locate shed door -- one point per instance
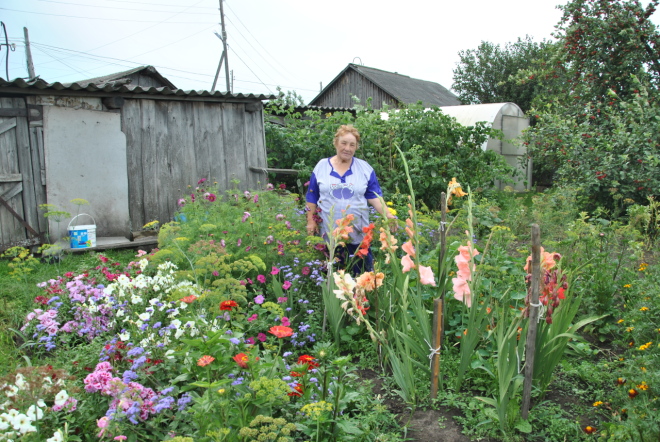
(19, 216)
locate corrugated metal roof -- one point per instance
(402, 87)
(40, 85)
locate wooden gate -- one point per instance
(22, 178)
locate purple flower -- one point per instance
(184, 400)
(256, 198)
(262, 337)
(259, 299)
(235, 341)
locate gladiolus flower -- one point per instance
(369, 281)
(228, 305)
(454, 188)
(407, 263)
(409, 248)
(205, 360)
(461, 291)
(426, 276)
(280, 331)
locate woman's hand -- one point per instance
(312, 228)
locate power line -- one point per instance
(255, 39)
(105, 18)
(158, 4)
(117, 8)
(250, 69)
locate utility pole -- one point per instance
(223, 38)
(28, 55)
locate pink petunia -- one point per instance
(286, 285)
(285, 321)
(262, 337)
(261, 279)
(275, 271)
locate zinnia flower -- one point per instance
(280, 331)
(189, 299)
(228, 305)
(242, 360)
(205, 360)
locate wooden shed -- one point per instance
(382, 87)
(129, 143)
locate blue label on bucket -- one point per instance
(79, 239)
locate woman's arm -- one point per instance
(312, 226)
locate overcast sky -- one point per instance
(296, 44)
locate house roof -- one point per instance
(402, 87)
(149, 71)
(39, 86)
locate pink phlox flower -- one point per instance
(253, 318)
(275, 271)
(286, 285)
(261, 279)
(285, 321)
(262, 337)
(306, 270)
(259, 299)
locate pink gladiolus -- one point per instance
(426, 276)
(461, 291)
(407, 263)
(409, 248)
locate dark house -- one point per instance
(382, 87)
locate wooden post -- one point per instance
(530, 344)
(438, 303)
(28, 55)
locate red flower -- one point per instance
(189, 299)
(228, 305)
(242, 360)
(297, 390)
(632, 393)
(281, 331)
(308, 360)
(205, 360)
(41, 300)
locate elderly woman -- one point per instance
(342, 185)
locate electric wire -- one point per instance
(106, 19)
(119, 9)
(255, 39)
(249, 68)
(248, 56)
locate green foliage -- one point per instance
(488, 74)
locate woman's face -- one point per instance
(346, 146)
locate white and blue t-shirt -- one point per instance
(338, 196)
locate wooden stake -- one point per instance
(530, 344)
(438, 303)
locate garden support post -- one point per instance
(438, 303)
(530, 344)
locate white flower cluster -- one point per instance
(15, 424)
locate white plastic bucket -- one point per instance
(82, 236)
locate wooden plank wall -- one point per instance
(354, 83)
(172, 144)
(20, 174)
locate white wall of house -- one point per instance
(85, 154)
